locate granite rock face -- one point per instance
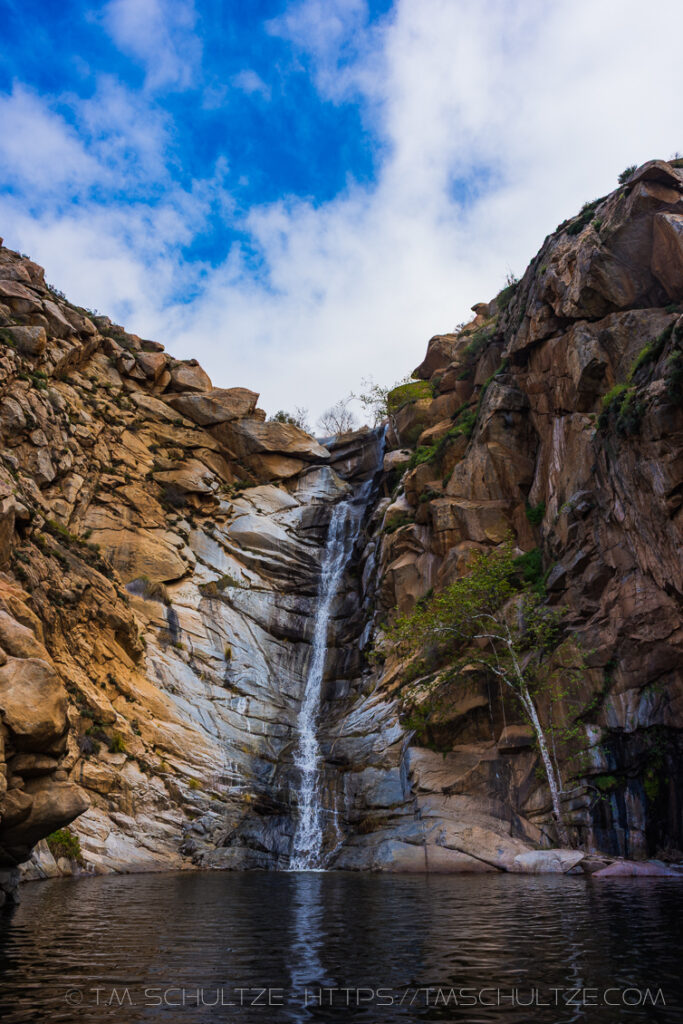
(160, 552)
(572, 443)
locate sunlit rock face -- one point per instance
(161, 550)
(571, 442)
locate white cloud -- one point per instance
(321, 27)
(542, 104)
(249, 82)
(38, 149)
(160, 34)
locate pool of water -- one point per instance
(303, 947)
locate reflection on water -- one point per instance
(341, 947)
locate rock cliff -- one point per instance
(556, 416)
(160, 549)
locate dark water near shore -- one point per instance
(378, 948)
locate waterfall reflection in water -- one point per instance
(167, 936)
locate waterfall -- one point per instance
(308, 840)
(307, 845)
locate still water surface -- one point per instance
(343, 947)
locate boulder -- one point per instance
(250, 437)
(12, 415)
(32, 703)
(16, 807)
(435, 433)
(29, 766)
(152, 364)
(274, 467)
(189, 376)
(547, 862)
(14, 272)
(396, 459)
(19, 640)
(218, 405)
(17, 296)
(658, 171)
(58, 324)
(192, 477)
(637, 869)
(411, 419)
(136, 553)
(53, 805)
(31, 341)
(440, 352)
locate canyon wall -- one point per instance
(160, 548)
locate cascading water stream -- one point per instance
(307, 845)
(308, 839)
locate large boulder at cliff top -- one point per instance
(189, 376)
(440, 352)
(219, 405)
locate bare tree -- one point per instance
(338, 419)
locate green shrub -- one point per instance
(651, 784)
(425, 453)
(479, 341)
(117, 744)
(614, 395)
(629, 415)
(463, 426)
(529, 566)
(626, 173)
(651, 351)
(505, 296)
(397, 520)
(576, 226)
(406, 394)
(63, 843)
(535, 513)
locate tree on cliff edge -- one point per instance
(338, 419)
(489, 619)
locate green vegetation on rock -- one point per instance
(64, 843)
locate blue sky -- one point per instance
(300, 193)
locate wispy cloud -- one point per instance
(40, 150)
(491, 121)
(249, 82)
(160, 35)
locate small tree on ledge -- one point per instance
(490, 619)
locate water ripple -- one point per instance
(131, 949)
